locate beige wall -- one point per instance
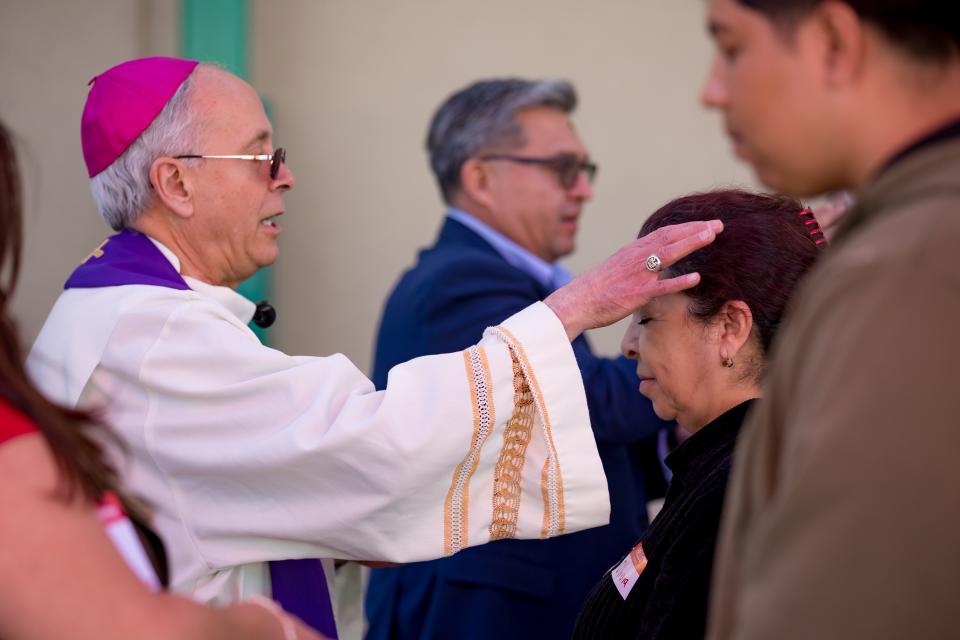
(352, 84)
(49, 49)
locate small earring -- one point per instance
(727, 362)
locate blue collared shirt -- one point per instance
(550, 275)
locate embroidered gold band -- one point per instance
(551, 479)
(456, 504)
(509, 469)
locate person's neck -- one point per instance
(893, 122)
(723, 403)
(476, 210)
(192, 263)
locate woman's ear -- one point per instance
(173, 185)
(734, 325)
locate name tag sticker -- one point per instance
(626, 574)
(120, 530)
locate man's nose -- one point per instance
(285, 178)
(714, 92)
(582, 188)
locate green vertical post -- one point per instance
(218, 31)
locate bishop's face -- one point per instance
(234, 230)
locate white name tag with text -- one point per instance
(626, 574)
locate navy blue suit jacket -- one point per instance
(510, 588)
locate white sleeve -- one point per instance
(260, 455)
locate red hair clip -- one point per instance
(813, 227)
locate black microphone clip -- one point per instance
(265, 315)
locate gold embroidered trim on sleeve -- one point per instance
(509, 469)
(456, 504)
(551, 479)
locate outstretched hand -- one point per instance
(622, 283)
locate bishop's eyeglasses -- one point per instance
(277, 158)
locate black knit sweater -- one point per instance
(669, 599)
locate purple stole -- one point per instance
(131, 258)
(126, 258)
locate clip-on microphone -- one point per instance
(265, 315)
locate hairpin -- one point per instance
(813, 227)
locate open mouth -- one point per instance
(271, 221)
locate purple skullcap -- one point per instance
(123, 101)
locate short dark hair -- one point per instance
(481, 116)
(764, 250)
(927, 29)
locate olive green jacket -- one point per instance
(842, 518)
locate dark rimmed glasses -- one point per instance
(566, 166)
(277, 158)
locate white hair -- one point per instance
(123, 190)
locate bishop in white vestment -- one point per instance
(256, 462)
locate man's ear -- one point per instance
(843, 40)
(476, 181)
(173, 185)
(734, 324)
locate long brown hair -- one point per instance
(79, 458)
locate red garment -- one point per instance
(13, 423)
(117, 525)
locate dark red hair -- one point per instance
(763, 252)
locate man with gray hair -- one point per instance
(514, 176)
(259, 463)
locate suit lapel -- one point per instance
(456, 235)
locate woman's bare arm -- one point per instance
(63, 578)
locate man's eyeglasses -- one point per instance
(567, 166)
(277, 158)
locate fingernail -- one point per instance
(716, 225)
(706, 235)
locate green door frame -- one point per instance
(218, 31)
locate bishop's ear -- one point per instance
(172, 184)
